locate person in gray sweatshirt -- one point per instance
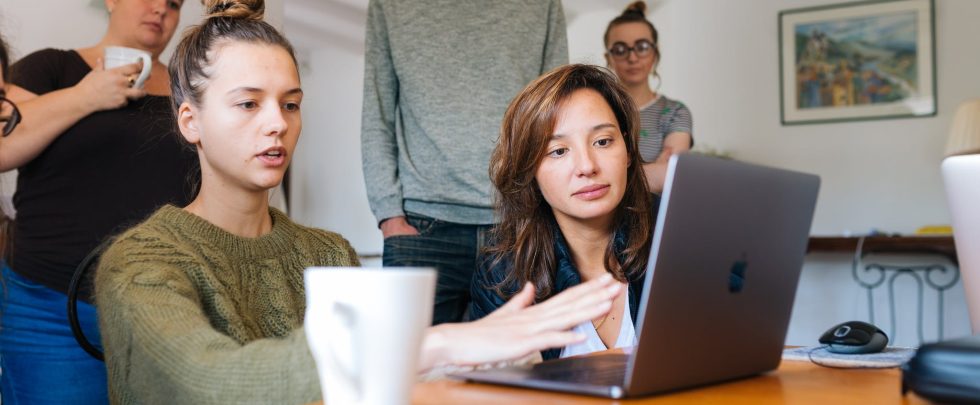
(438, 76)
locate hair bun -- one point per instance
(637, 7)
(236, 9)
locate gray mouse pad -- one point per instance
(890, 357)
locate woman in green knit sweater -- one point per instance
(204, 304)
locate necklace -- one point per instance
(596, 327)
(603, 320)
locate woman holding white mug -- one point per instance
(96, 154)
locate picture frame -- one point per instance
(857, 61)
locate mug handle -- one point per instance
(343, 325)
(145, 73)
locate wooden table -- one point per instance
(795, 382)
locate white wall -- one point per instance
(720, 58)
(327, 185)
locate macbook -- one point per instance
(720, 282)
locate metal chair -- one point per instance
(73, 288)
(873, 275)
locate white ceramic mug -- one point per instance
(365, 328)
(115, 56)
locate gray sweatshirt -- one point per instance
(438, 76)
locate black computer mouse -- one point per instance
(854, 337)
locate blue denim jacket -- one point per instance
(485, 300)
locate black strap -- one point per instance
(73, 287)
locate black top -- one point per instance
(105, 173)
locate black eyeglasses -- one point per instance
(642, 48)
(9, 115)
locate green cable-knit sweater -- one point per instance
(191, 314)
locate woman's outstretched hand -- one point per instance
(519, 328)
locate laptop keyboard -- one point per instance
(597, 370)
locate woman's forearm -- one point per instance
(44, 118)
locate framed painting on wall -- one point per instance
(857, 61)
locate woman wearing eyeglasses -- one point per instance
(633, 53)
(96, 154)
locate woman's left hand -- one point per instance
(519, 328)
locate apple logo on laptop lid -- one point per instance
(736, 277)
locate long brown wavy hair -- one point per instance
(525, 234)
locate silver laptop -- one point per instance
(963, 196)
(724, 265)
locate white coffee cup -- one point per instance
(365, 328)
(115, 56)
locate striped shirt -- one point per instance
(658, 118)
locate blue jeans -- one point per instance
(452, 249)
(40, 361)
